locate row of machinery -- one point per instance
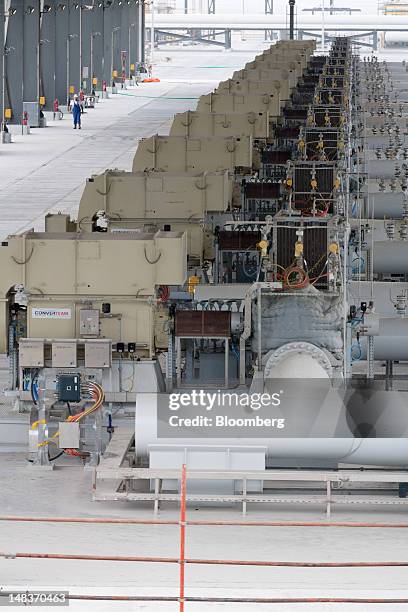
(265, 238)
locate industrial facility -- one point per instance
(204, 305)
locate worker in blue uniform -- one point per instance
(76, 112)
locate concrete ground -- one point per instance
(66, 491)
(46, 171)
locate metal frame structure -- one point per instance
(113, 468)
(268, 11)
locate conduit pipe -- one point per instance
(201, 523)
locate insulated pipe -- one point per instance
(392, 343)
(384, 205)
(230, 562)
(384, 168)
(358, 451)
(200, 523)
(390, 256)
(280, 600)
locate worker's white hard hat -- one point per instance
(76, 97)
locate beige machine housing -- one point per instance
(194, 123)
(248, 86)
(64, 274)
(308, 46)
(135, 200)
(183, 154)
(261, 72)
(242, 103)
(295, 55)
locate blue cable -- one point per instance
(360, 352)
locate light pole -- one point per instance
(132, 25)
(81, 7)
(45, 9)
(93, 35)
(5, 51)
(114, 30)
(69, 38)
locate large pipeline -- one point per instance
(392, 452)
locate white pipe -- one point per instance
(278, 21)
(367, 451)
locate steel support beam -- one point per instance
(268, 11)
(172, 37)
(375, 41)
(228, 39)
(292, 19)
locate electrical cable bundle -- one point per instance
(295, 277)
(94, 392)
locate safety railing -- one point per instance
(181, 560)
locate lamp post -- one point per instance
(69, 38)
(45, 9)
(132, 25)
(5, 51)
(114, 30)
(93, 35)
(82, 7)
